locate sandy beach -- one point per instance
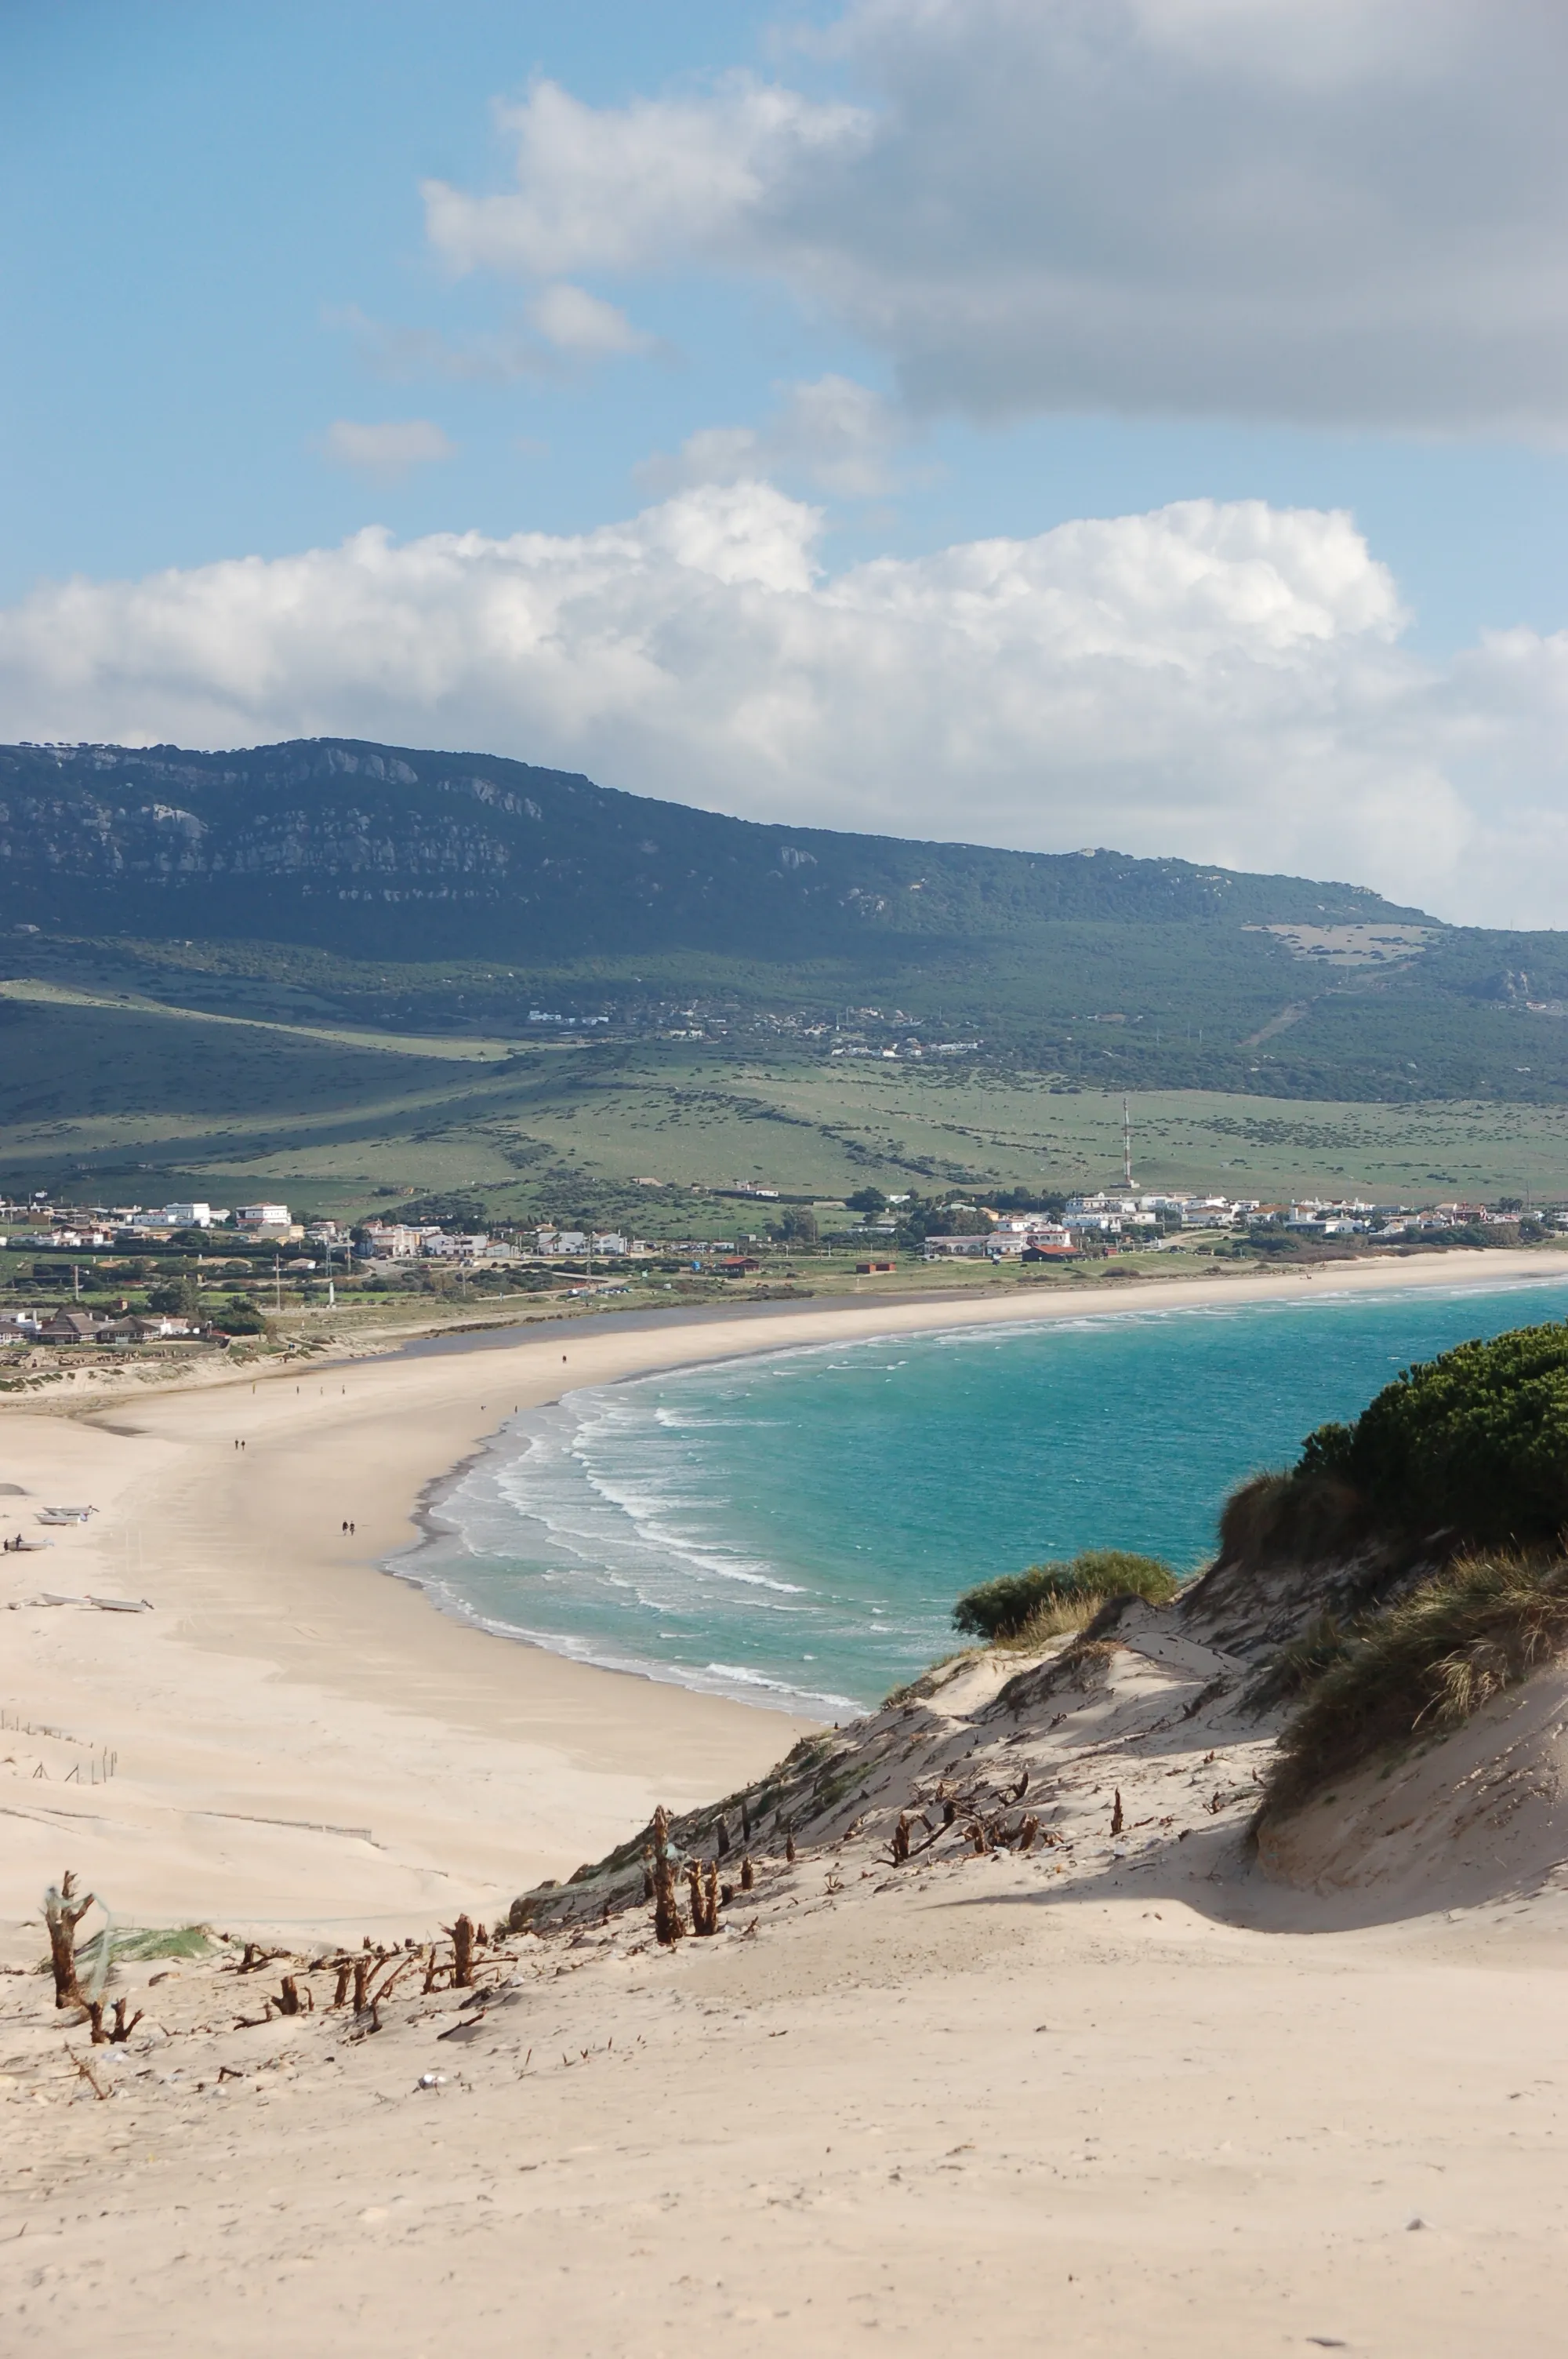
(1157, 2107)
(300, 1740)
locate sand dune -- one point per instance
(1099, 2093)
(1129, 2094)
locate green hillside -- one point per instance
(375, 966)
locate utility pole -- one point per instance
(1127, 1142)
(276, 1278)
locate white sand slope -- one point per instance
(1475, 1816)
(1094, 2094)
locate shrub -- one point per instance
(180, 1299)
(1477, 1439)
(1293, 1519)
(238, 1317)
(1001, 1609)
(1424, 1663)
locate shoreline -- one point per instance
(304, 1739)
(1113, 1302)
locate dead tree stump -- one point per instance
(1117, 1822)
(63, 1912)
(461, 1938)
(747, 1875)
(669, 1927)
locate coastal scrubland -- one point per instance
(112, 1098)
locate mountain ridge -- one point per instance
(328, 836)
(421, 890)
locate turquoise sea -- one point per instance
(792, 1527)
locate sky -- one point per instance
(1039, 422)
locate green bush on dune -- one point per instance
(1472, 1445)
(1455, 1478)
(1004, 1608)
(1476, 1438)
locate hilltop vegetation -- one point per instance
(411, 891)
(379, 851)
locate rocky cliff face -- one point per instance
(320, 817)
(410, 850)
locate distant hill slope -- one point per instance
(389, 850)
(427, 891)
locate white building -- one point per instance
(190, 1216)
(605, 1244)
(262, 1216)
(1209, 1212)
(390, 1241)
(442, 1248)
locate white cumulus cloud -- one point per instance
(1329, 211)
(835, 434)
(1222, 680)
(618, 187)
(389, 448)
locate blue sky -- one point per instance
(225, 274)
(202, 192)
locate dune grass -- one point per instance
(1421, 1667)
(1048, 1599)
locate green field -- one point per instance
(110, 1098)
